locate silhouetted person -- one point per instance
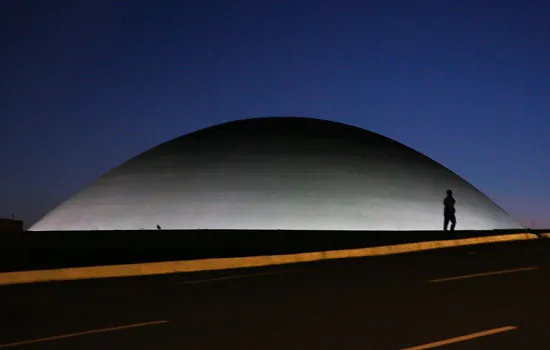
(158, 227)
(449, 211)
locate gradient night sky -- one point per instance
(87, 84)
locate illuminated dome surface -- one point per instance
(277, 173)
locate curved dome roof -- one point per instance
(276, 173)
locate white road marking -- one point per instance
(71, 335)
(462, 338)
(482, 274)
(233, 277)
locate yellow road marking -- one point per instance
(233, 277)
(71, 335)
(462, 338)
(482, 274)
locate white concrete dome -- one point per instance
(277, 173)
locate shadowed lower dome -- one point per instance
(276, 173)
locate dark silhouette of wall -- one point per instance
(10, 225)
(44, 250)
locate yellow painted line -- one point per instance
(243, 262)
(72, 335)
(463, 338)
(234, 277)
(500, 272)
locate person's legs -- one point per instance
(445, 222)
(453, 222)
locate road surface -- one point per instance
(481, 297)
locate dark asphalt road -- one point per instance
(368, 303)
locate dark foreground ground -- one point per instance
(368, 303)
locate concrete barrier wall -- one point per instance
(10, 225)
(49, 250)
(242, 262)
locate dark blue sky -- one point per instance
(87, 84)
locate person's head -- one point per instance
(450, 193)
